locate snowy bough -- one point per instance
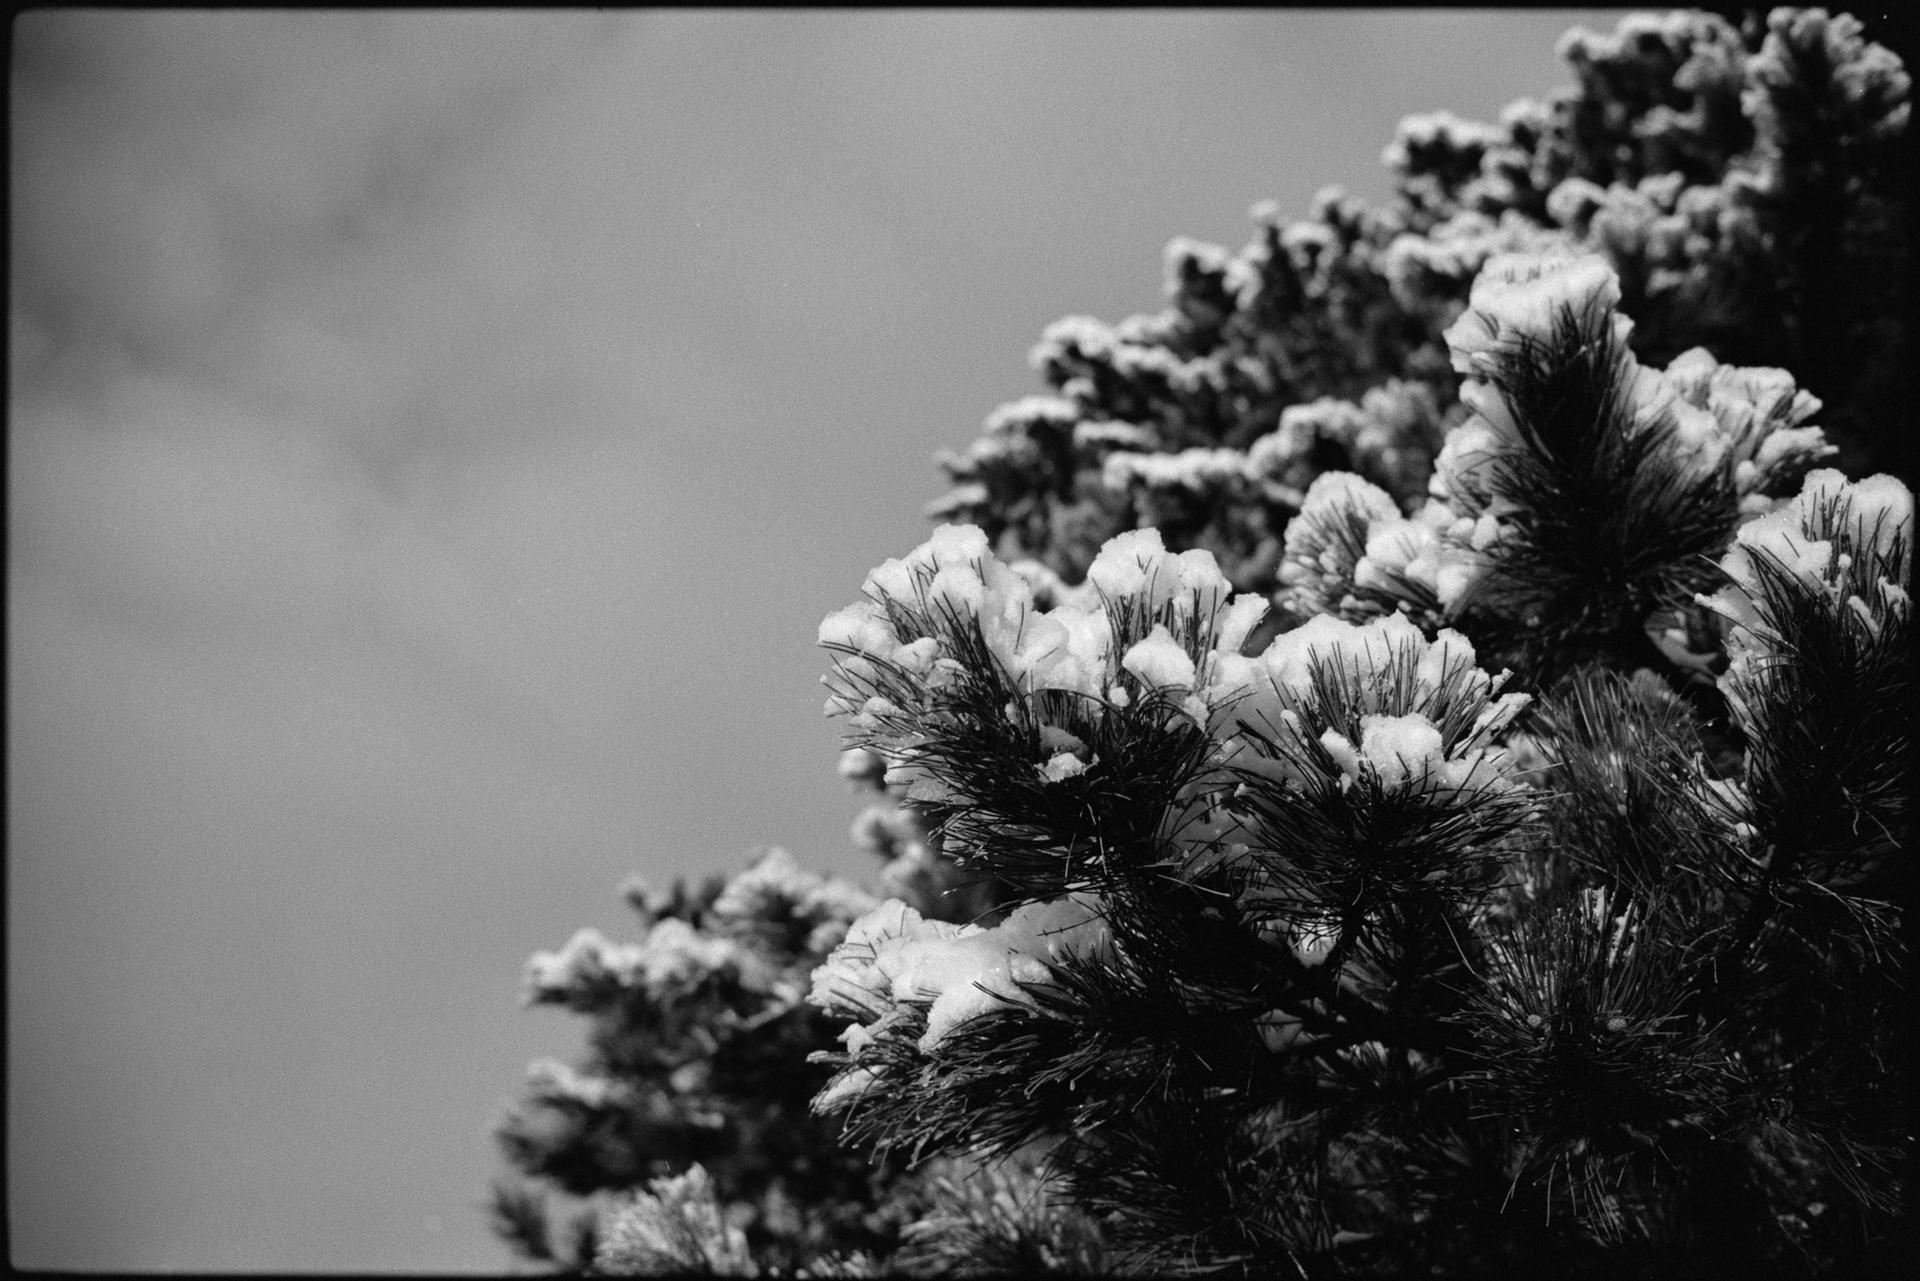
(1396, 764)
(1336, 955)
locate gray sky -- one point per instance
(434, 439)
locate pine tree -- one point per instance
(1396, 764)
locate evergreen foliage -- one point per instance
(1743, 179)
(1399, 765)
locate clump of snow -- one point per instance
(952, 581)
(906, 624)
(1136, 565)
(587, 959)
(673, 958)
(1053, 411)
(1160, 661)
(1436, 130)
(1410, 550)
(1285, 456)
(1063, 765)
(1068, 756)
(1829, 519)
(1827, 539)
(1198, 471)
(1524, 297)
(1464, 513)
(956, 550)
(1235, 623)
(1393, 748)
(848, 1086)
(1407, 685)
(776, 889)
(1360, 648)
(1403, 750)
(894, 955)
(1116, 435)
(1761, 415)
(1400, 555)
(549, 1078)
(676, 956)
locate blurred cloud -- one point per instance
(434, 438)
